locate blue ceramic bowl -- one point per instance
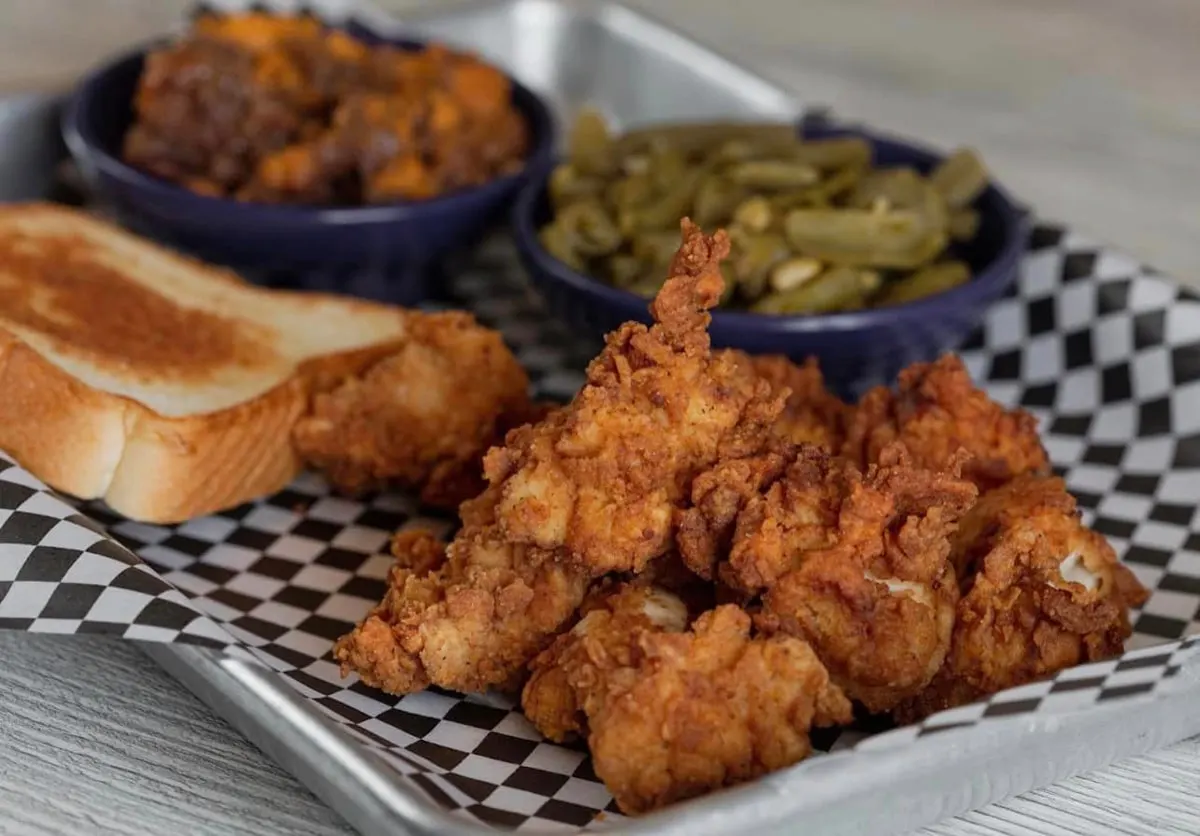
(856, 349)
(384, 251)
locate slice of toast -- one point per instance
(165, 386)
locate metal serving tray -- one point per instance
(605, 55)
(636, 70)
(892, 792)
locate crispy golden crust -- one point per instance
(588, 490)
(856, 564)
(603, 483)
(601, 640)
(686, 485)
(466, 616)
(1027, 610)
(704, 531)
(811, 414)
(936, 411)
(670, 714)
(422, 418)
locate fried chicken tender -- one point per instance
(858, 565)
(671, 715)
(422, 418)
(1041, 593)
(936, 411)
(602, 484)
(602, 636)
(467, 616)
(704, 531)
(589, 490)
(812, 414)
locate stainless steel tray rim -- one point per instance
(804, 789)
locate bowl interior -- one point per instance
(990, 254)
(102, 112)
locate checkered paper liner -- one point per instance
(1106, 354)
(60, 572)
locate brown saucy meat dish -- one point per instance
(277, 109)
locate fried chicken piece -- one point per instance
(658, 407)
(704, 531)
(858, 565)
(670, 714)
(467, 616)
(589, 490)
(670, 573)
(936, 411)
(1041, 593)
(457, 481)
(422, 418)
(812, 414)
(600, 638)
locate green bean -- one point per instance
(812, 198)
(831, 154)
(654, 246)
(927, 281)
(837, 289)
(963, 224)
(716, 200)
(590, 147)
(813, 227)
(691, 138)
(630, 191)
(753, 260)
(898, 188)
(592, 230)
(567, 185)
(839, 181)
(820, 194)
(823, 154)
(772, 175)
(666, 168)
(901, 238)
(960, 178)
(561, 244)
(665, 211)
(736, 151)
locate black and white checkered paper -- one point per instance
(1105, 353)
(60, 572)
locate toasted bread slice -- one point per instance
(165, 386)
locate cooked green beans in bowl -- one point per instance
(815, 226)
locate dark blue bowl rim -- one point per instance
(83, 144)
(984, 286)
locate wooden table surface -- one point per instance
(1089, 110)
